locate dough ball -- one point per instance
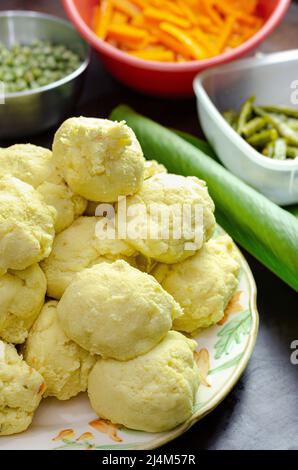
(154, 392)
(22, 296)
(99, 159)
(27, 162)
(150, 236)
(34, 165)
(116, 311)
(63, 364)
(26, 225)
(152, 167)
(203, 284)
(21, 389)
(77, 248)
(69, 206)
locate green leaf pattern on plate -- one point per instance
(87, 445)
(226, 365)
(231, 334)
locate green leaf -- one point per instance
(232, 333)
(71, 444)
(68, 445)
(231, 363)
(118, 446)
(261, 227)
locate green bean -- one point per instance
(280, 149)
(292, 152)
(262, 138)
(254, 126)
(282, 128)
(273, 130)
(269, 150)
(282, 117)
(288, 133)
(291, 112)
(231, 117)
(245, 114)
(293, 124)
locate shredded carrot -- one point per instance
(211, 12)
(104, 18)
(140, 3)
(125, 31)
(119, 18)
(168, 5)
(187, 12)
(161, 15)
(249, 6)
(225, 8)
(176, 30)
(138, 21)
(225, 34)
(193, 48)
(154, 53)
(204, 40)
(171, 6)
(126, 7)
(131, 44)
(172, 44)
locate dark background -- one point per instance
(262, 410)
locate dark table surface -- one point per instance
(262, 410)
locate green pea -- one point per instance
(36, 72)
(42, 81)
(51, 63)
(29, 66)
(70, 70)
(8, 77)
(29, 77)
(35, 64)
(34, 85)
(21, 85)
(19, 60)
(47, 50)
(19, 72)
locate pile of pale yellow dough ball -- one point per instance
(113, 308)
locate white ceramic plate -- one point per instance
(223, 352)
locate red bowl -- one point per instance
(158, 78)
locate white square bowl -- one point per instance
(273, 79)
